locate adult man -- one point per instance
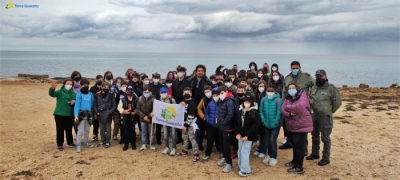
(177, 91)
(305, 81)
(266, 69)
(325, 100)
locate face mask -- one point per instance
(156, 81)
(295, 72)
(261, 89)
(169, 84)
(246, 105)
(213, 82)
(252, 68)
(77, 79)
(146, 95)
(118, 85)
(219, 83)
(228, 85)
(129, 93)
(275, 78)
(108, 77)
(163, 95)
(98, 83)
(266, 70)
(146, 82)
(186, 96)
(105, 91)
(234, 70)
(270, 95)
(260, 75)
(208, 95)
(240, 94)
(123, 89)
(292, 92)
(68, 87)
(216, 99)
(84, 90)
(274, 68)
(180, 74)
(222, 96)
(320, 82)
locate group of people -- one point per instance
(233, 109)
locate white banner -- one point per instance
(168, 114)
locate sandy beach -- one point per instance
(365, 144)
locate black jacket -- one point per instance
(155, 90)
(198, 88)
(137, 87)
(190, 112)
(250, 126)
(133, 105)
(177, 89)
(104, 107)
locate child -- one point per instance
(145, 112)
(104, 107)
(166, 98)
(190, 120)
(246, 129)
(83, 114)
(212, 128)
(128, 105)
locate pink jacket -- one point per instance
(301, 122)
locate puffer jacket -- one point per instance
(104, 107)
(270, 111)
(145, 107)
(301, 122)
(212, 112)
(250, 126)
(226, 113)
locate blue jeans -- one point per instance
(271, 135)
(243, 156)
(169, 130)
(146, 133)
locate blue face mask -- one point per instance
(118, 85)
(295, 72)
(292, 92)
(146, 95)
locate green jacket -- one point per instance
(325, 99)
(304, 80)
(63, 108)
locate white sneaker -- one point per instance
(173, 152)
(227, 168)
(221, 162)
(256, 153)
(272, 162)
(166, 150)
(261, 155)
(266, 159)
(153, 148)
(284, 141)
(144, 147)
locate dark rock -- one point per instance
(363, 85)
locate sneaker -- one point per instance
(272, 162)
(88, 145)
(205, 158)
(95, 138)
(296, 170)
(115, 138)
(60, 148)
(227, 168)
(153, 148)
(285, 146)
(221, 162)
(144, 147)
(256, 153)
(100, 144)
(182, 153)
(266, 159)
(323, 162)
(107, 145)
(312, 157)
(284, 141)
(221, 155)
(243, 174)
(71, 145)
(173, 152)
(261, 155)
(166, 150)
(290, 164)
(78, 149)
(196, 158)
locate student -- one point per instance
(155, 89)
(104, 107)
(118, 126)
(128, 110)
(188, 130)
(145, 112)
(166, 98)
(76, 76)
(168, 83)
(96, 89)
(177, 91)
(201, 109)
(83, 114)
(246, 128)
(63, 112)
(211, 114)
(270, 114)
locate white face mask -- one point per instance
(123, 89)
(163, 95)
(169, 84)
(246, 105)
(228, 85)
(261, 89)
(146, 82)
(179, 74)
(68, 87)
(214, 82)
(275, 78)
(260, 75)
(216, 99)
(270, 95)
(222, 96)
(274, 68)
(252, 67)
(208, 95)
(155, 81)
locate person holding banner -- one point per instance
(164, 97)
(145, 110)
(190, 125)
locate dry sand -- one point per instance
(365, 144)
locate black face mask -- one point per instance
(219, 83)
(240, 95)
(254, 86)
(266, 70)
(186, 96)
(85, 90)
(129, 93)
(320, 82)
(108, 77)
(77, 79)
(98, 83)
(105, 91)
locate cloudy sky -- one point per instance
(362, 27)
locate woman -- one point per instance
(277, 82)
(260, 74)
(298, 121)
(170, 75)
(64, 111)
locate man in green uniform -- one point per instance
(325, 100)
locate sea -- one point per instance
(351, 70)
